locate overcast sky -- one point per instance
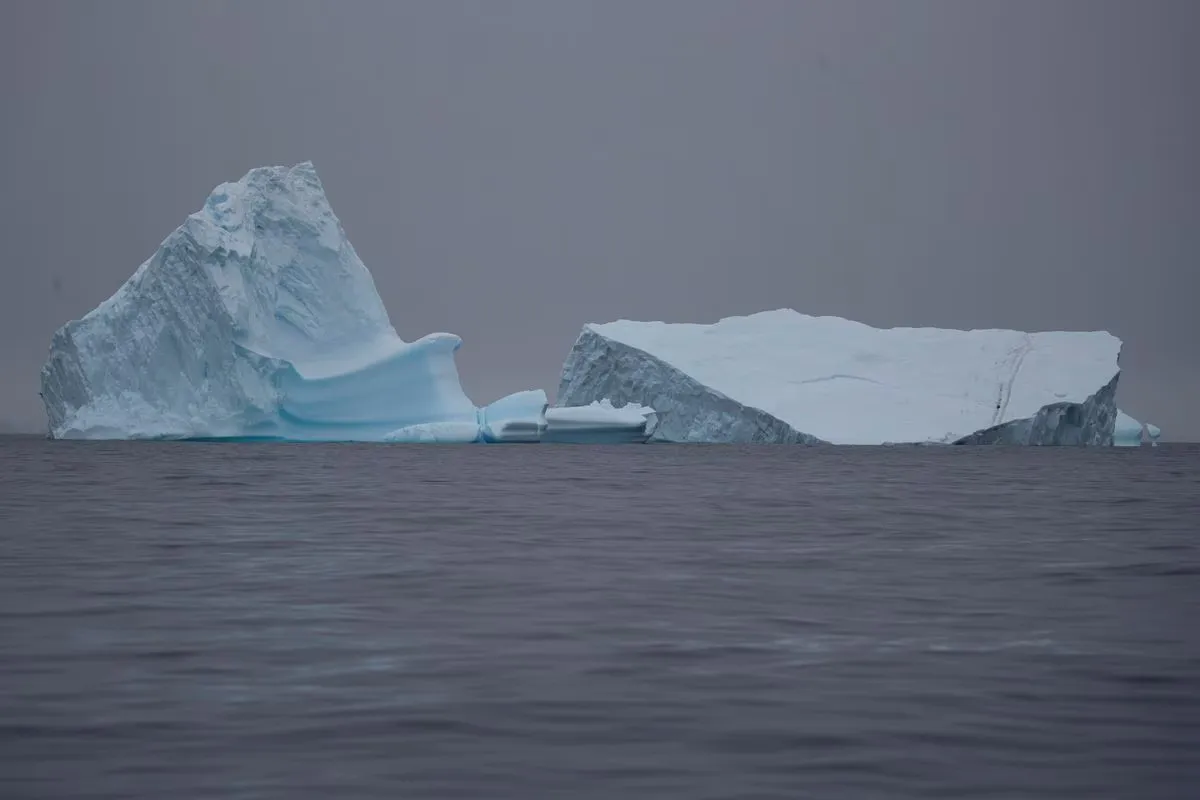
(511, 170)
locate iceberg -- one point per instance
(785, 377)
(526, 417)
(600, 422)
(1128, 432)
(518, 417)
(256, 319)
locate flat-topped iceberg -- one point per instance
(782, 376)
(256, 319)
(600, 422)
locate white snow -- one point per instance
(845, 382)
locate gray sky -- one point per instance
(510, 171)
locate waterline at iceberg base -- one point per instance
(255, 319)
(786, 377)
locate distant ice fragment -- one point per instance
(1128, 432)
(435, 432)
(600, 422)
(515, 418)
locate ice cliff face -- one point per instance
(781, 376)
(254, 318)
(687, 410)
(1086, 423)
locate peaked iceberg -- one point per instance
(255, 319)
(781, 376)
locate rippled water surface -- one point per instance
(272, 621)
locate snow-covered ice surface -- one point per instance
(255, 318)
(600, 422)
(782, 376)
(1128, 432)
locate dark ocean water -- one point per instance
(275, 621)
